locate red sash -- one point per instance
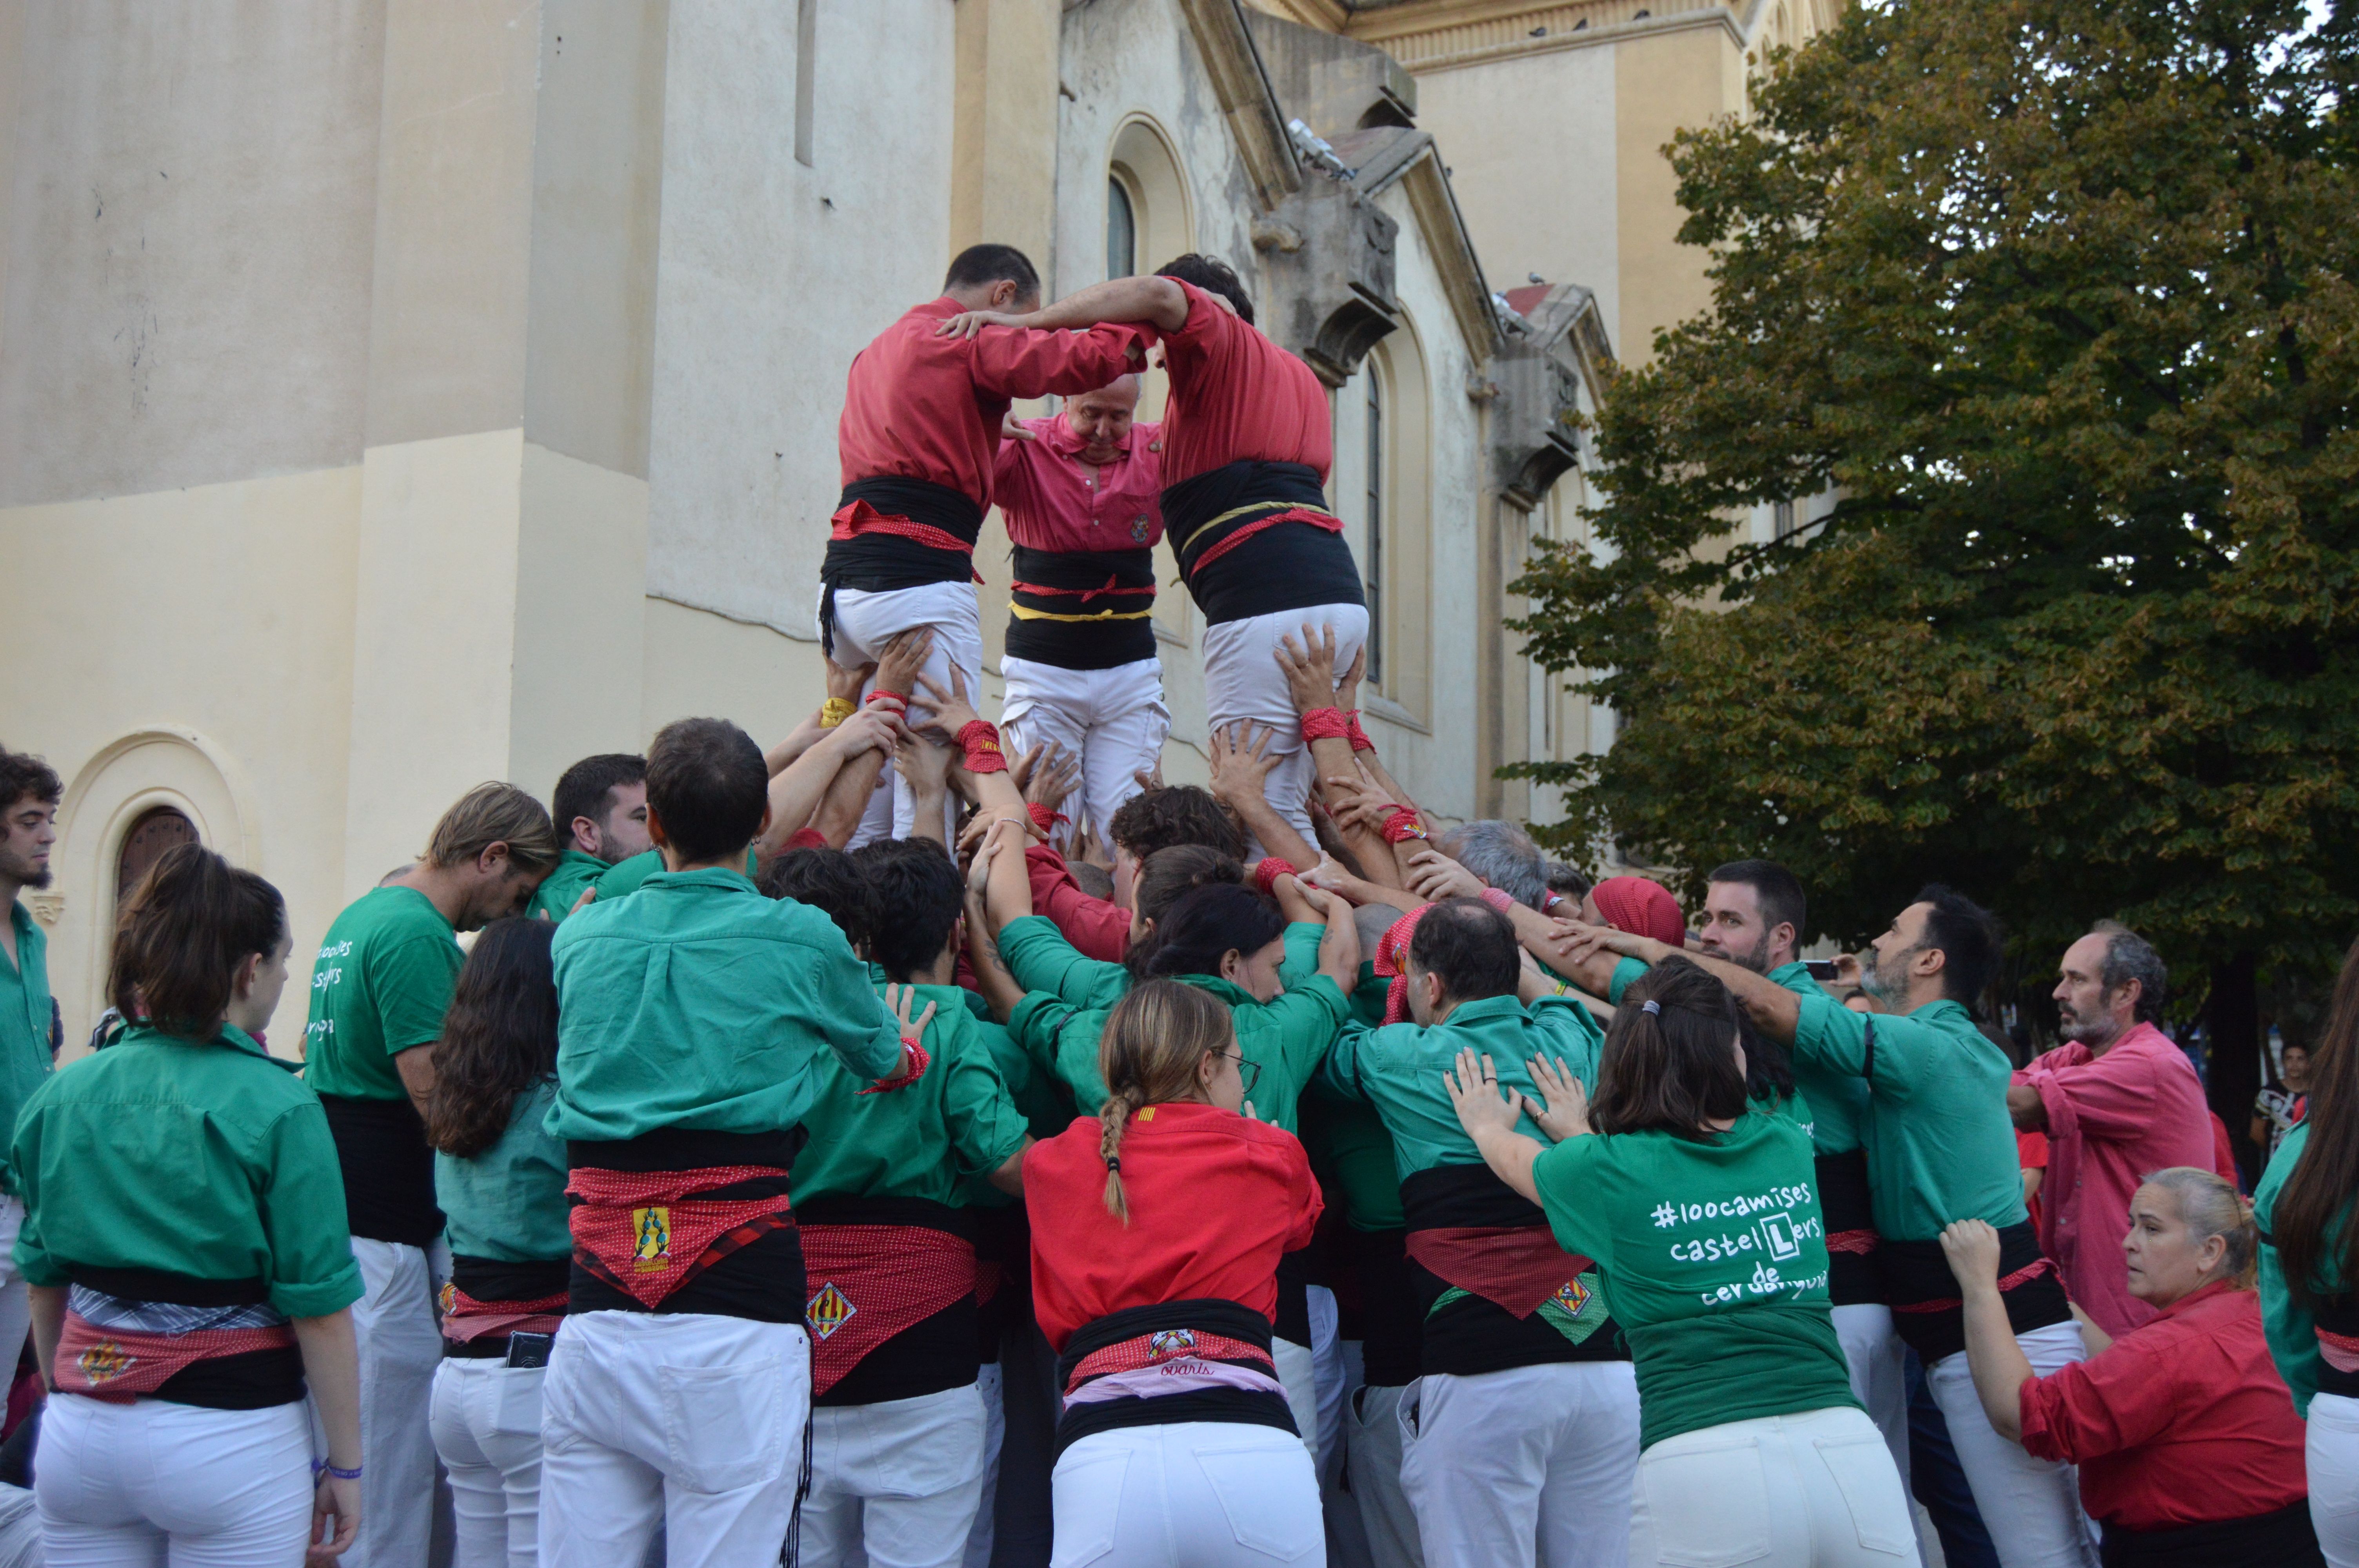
(862, 518)
(1310, 515)
(465, 1319)
(868, 1283)
(118, 1366)
(1516, 1267)
(1859, 1243)
(1164, 1346)
(646, 1233)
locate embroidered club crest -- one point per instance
(829, 1311)
(446, 1298)
(1572, 1296)
(652, 1248)
(1169, 1343)
(1138, 529)
(103, 1362)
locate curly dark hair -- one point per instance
(498, 1039)
(1175, 814)
(24, 776)
(1213, 276)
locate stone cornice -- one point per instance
(1256, 122)
(1438, 35)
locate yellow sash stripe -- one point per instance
(1026, 612)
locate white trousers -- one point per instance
(2332, 1451)
(1814, 1490)
(1298, 1371)
(486, 1418)
(16, 1304)
(1242, 681)
(1879, 1374)
(153, 1482)
(1111, 721)
(688, 1420)
(989, 1384)
(1532, 1465)
(864, 622)
(902, 1478)
(2031, 1507)
(1372, 1456)
(400, 1346)
(1327, 1377)
(1190, 1495)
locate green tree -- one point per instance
(2054, 299)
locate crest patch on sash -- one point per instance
(829, 1311)
(103, 1362)
(1167, 1343)
(652, 1248)
(446, 1298)
(1572, 1296)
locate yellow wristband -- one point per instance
(835, 710)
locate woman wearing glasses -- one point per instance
(1157, 1231)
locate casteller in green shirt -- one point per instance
(209, 1160)
(508, 1203)
(699, 1004)
(1940, 1144)
(1716, 1256)
(2291, 1327)
(557, 893)
(625, 877)
(24, 1020)
(379, 987)
(1069, 996)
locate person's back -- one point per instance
(690, 1016)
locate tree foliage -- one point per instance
(2055, 299)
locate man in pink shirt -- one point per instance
(1081, 492)
(2117, 1101)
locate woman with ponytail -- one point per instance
(1697, 1206)
(192, 1271)
(2309, 1267)
(1157, 1229)
(499, 1178)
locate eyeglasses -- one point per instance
(1249, 1071)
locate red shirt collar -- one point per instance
(1059, 439)
(2194, 1297)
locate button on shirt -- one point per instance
(920, 407)
(1055, 499)
(2112, 1119)
(2182, 1422)
(697, 1003)
(24, 1022)
(210, 1160)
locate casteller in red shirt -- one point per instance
(1215, 1199)
(2182, 1422)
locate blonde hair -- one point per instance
(1154, 1041)
(491, 814)
(2210, 1207)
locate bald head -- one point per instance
(1102, 418)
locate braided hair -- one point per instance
(1155, 1040)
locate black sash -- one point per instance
(1207, 1315)
(1082, 575)
(1291, 567)
(762, 1283)
(879, 561)
(1472, 1334)
(1853, 1277)
(1930, 1316)
(388, 1170)
(2281, 1540)
(931, 1355)
(2337, 1316)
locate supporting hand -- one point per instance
(1240, 761)
(1434, 876)
(1972, 1246)
(1475, 1093)
(1565, 1112)
(1309, 668)
(905, 656)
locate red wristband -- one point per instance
(1500, 902)
(1325, 724)
(1043, 818)
(980, 739)
(1266, 874)
(914, 1063)
(806, 839)
(882, 694)
(1358, 737)
(1404, 824)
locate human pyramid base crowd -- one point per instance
(939, 1142)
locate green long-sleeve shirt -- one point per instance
(553, 899)
(24, 1022)
(2291, 1328)
(210, 1160)
(697, 1003)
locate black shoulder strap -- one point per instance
(1867, 1065)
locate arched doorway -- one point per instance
(155, 832)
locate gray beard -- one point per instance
(1872, 981)
(2093, 1032)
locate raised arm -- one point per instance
(1775, 1011)
(1309, 668)
(1240, 767)
(1997, 1361)
(1157, 301)
(796, 794)
(1000, 991)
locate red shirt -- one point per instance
(1236, 394)
(2031, 1153)
(2183, 1421)
(1096, 928)
(1215, 1198)
(1054, 499)
(2112, 1119)
(919, 407)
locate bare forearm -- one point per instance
(332, 1368)
(1339, 951)
(796, 792)
(931, 804)
(1998, 1362)
(780, 757)
(2028, 1110)
(1156, 299)
(1000, 991)
(1594, 974)
(416, 1067)
(846, 801)
(1775, 1011)
(1511, 1155)
(1273, 832)
(1009, 1177)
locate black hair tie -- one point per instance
(1114, 1164)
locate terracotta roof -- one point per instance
(1521, 300)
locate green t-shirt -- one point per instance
(697, 1003)
(1399, 1068)
(1714, 1256)
(211, 1160)
(627, 876)
(24, 1022)
(379, 987)
(1838, 1101)
(508, 1203)
(2291, 1327)
(931, 1139)
(1940, 1146)
(1068, 996)
(553, 899)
